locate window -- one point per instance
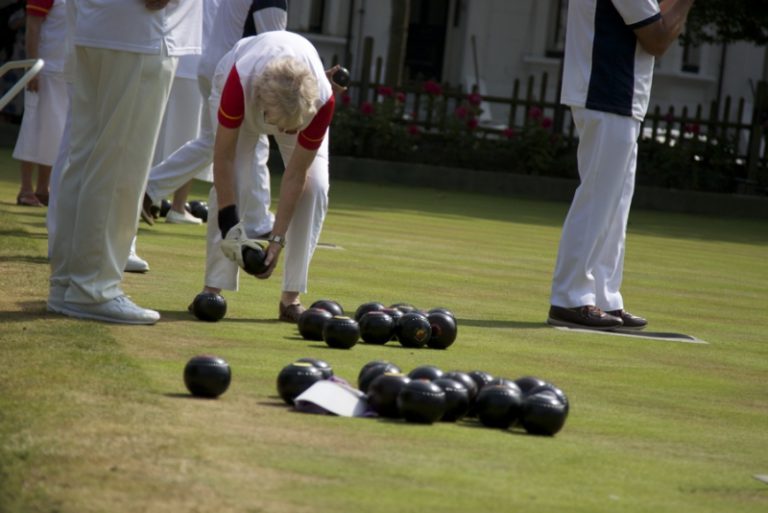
(317, 16)
(691, 57)
(558, 17)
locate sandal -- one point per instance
(28, 199)
(42, 197)
(290, 313)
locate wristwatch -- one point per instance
(277, 239)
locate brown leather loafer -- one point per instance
(587, 316)
(631, 322)
(290, 313)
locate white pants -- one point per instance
(303, 232)
(195, 157)
(117, 107)
(62, 159)
(590, 260)
(181, 122)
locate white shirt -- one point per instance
(52, 32)
(127, 25)
(251, 55)
(605, 67)
(228, 29)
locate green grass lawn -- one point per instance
(95, 417)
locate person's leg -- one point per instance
(610, 259)
(129, 98)
(26, 196)
(307, 222)
(254, 191)
(220, 272)
(62, 158)
(43, 182)
(604, 152)
(188, 161)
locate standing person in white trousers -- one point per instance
(609, 59)
(45, 100)
(196, 155)
(122, 80)
(273, 83)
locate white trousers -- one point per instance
(117, 107)
(181, 122)
(304, 230)
(195, 157)
(590, 259)
(62, 159)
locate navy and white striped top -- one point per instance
(605, 67)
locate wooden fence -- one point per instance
(722, 123)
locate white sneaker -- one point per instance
(174, 217)
(136, 264)
(120, 309)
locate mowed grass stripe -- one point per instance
(654, 426)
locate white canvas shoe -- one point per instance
(120, 310)
(136, 264)
(185, 217)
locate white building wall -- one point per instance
(511, 41)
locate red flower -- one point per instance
(475, 99)
(433, 88)
(385, 91)
(346, 99)
(414, 129)
(366, 108)
(546, 122)
(472, 123)
(693, 128)
(400, 97)
(534, 112)
(461, 112)
(509, 133)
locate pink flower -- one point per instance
(461, 112)
(385, 91)
(400, 97)
(366, 108)
(433, 88)
(509, 133)
(546, 122)
(534, 112)
(472, 123)
(414, 129)
(346, 99)
(475, 99)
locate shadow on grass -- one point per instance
(184, 315)
(492, 323)
(23, 233)
(27, 259)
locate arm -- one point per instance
(224, 165)
(656, 37)
(32, 44)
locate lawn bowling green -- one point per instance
(96, 417)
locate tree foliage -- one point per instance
(726, 21)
